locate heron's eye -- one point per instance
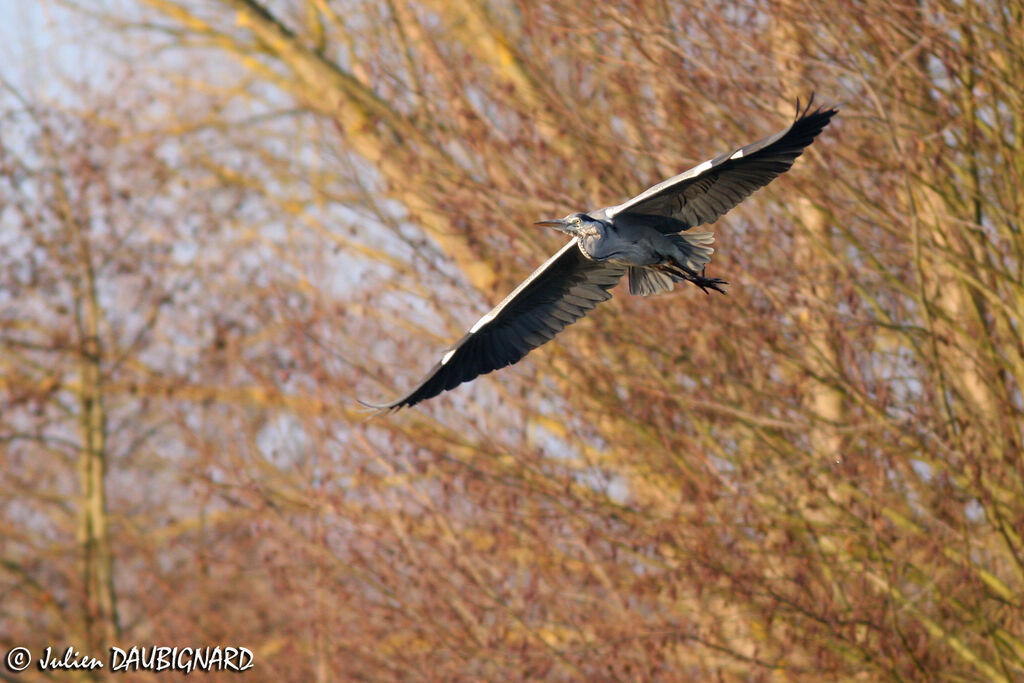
(578, 221)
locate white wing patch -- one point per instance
(697, 170)
(738, 154)
(483, 321)
(448, 356)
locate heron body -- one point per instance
(652, 258)
(649, 238)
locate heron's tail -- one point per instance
(692, 253)
(695, 247)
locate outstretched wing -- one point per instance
(556, 295)
(708, 190)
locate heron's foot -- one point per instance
(706, 283)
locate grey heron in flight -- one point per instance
(645, 237)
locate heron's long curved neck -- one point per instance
(593, 228)
(597, 240)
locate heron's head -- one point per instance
(574, 223)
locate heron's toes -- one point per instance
(706, 283)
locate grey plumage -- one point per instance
(695, 253)
(645, 237)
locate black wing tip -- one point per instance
(823, 112)
(382, 408)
